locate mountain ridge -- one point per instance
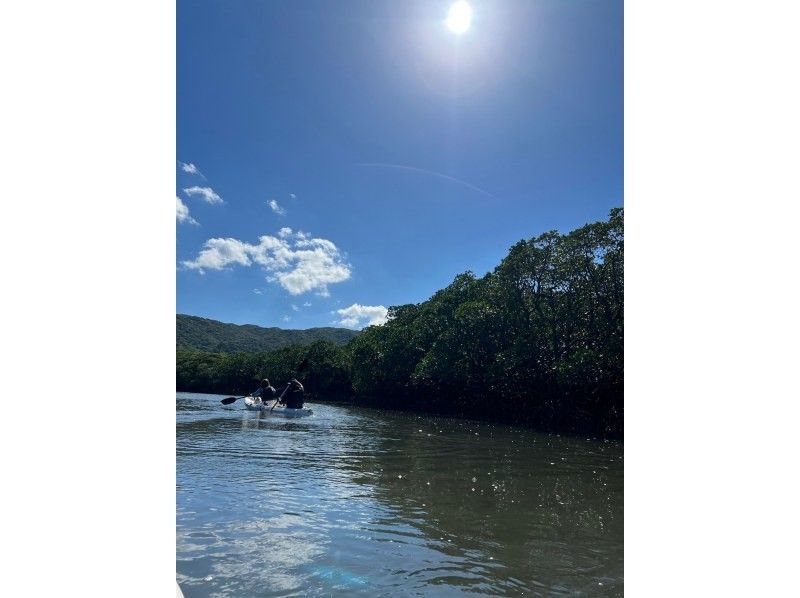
(194, 333)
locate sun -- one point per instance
(460, 17)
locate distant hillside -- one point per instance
(201, 334)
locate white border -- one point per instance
(88, 239)
(711, 194)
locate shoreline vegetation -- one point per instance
(537, 342)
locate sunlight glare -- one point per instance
(459, 17)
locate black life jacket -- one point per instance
(294, 398)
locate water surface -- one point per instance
(355, 501)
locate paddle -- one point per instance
(230, 400)
(278, 400)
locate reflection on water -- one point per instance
(366, 502)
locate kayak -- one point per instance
(255, 404)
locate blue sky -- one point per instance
(395, 152)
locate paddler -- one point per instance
(293, 399)
(265, 392)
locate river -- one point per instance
(357, 501)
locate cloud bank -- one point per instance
(296, 261)
(358, 316)
(182, 212)
(206, 193)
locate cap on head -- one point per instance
(265, 382)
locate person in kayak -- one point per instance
(265, 392)
(294, 395)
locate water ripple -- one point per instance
(365, 502)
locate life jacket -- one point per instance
(294, 398)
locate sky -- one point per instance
(338, 158)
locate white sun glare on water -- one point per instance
(459, 17)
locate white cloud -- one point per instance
(190, 168)
(257, 291)
(293, 196)
(294, 307)
(307, 304)
(182, 212)
(275, 207)
(358, 316)
(285, 232)
(207, 193)
(298, 262)
(219, 253)
(285, 318)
